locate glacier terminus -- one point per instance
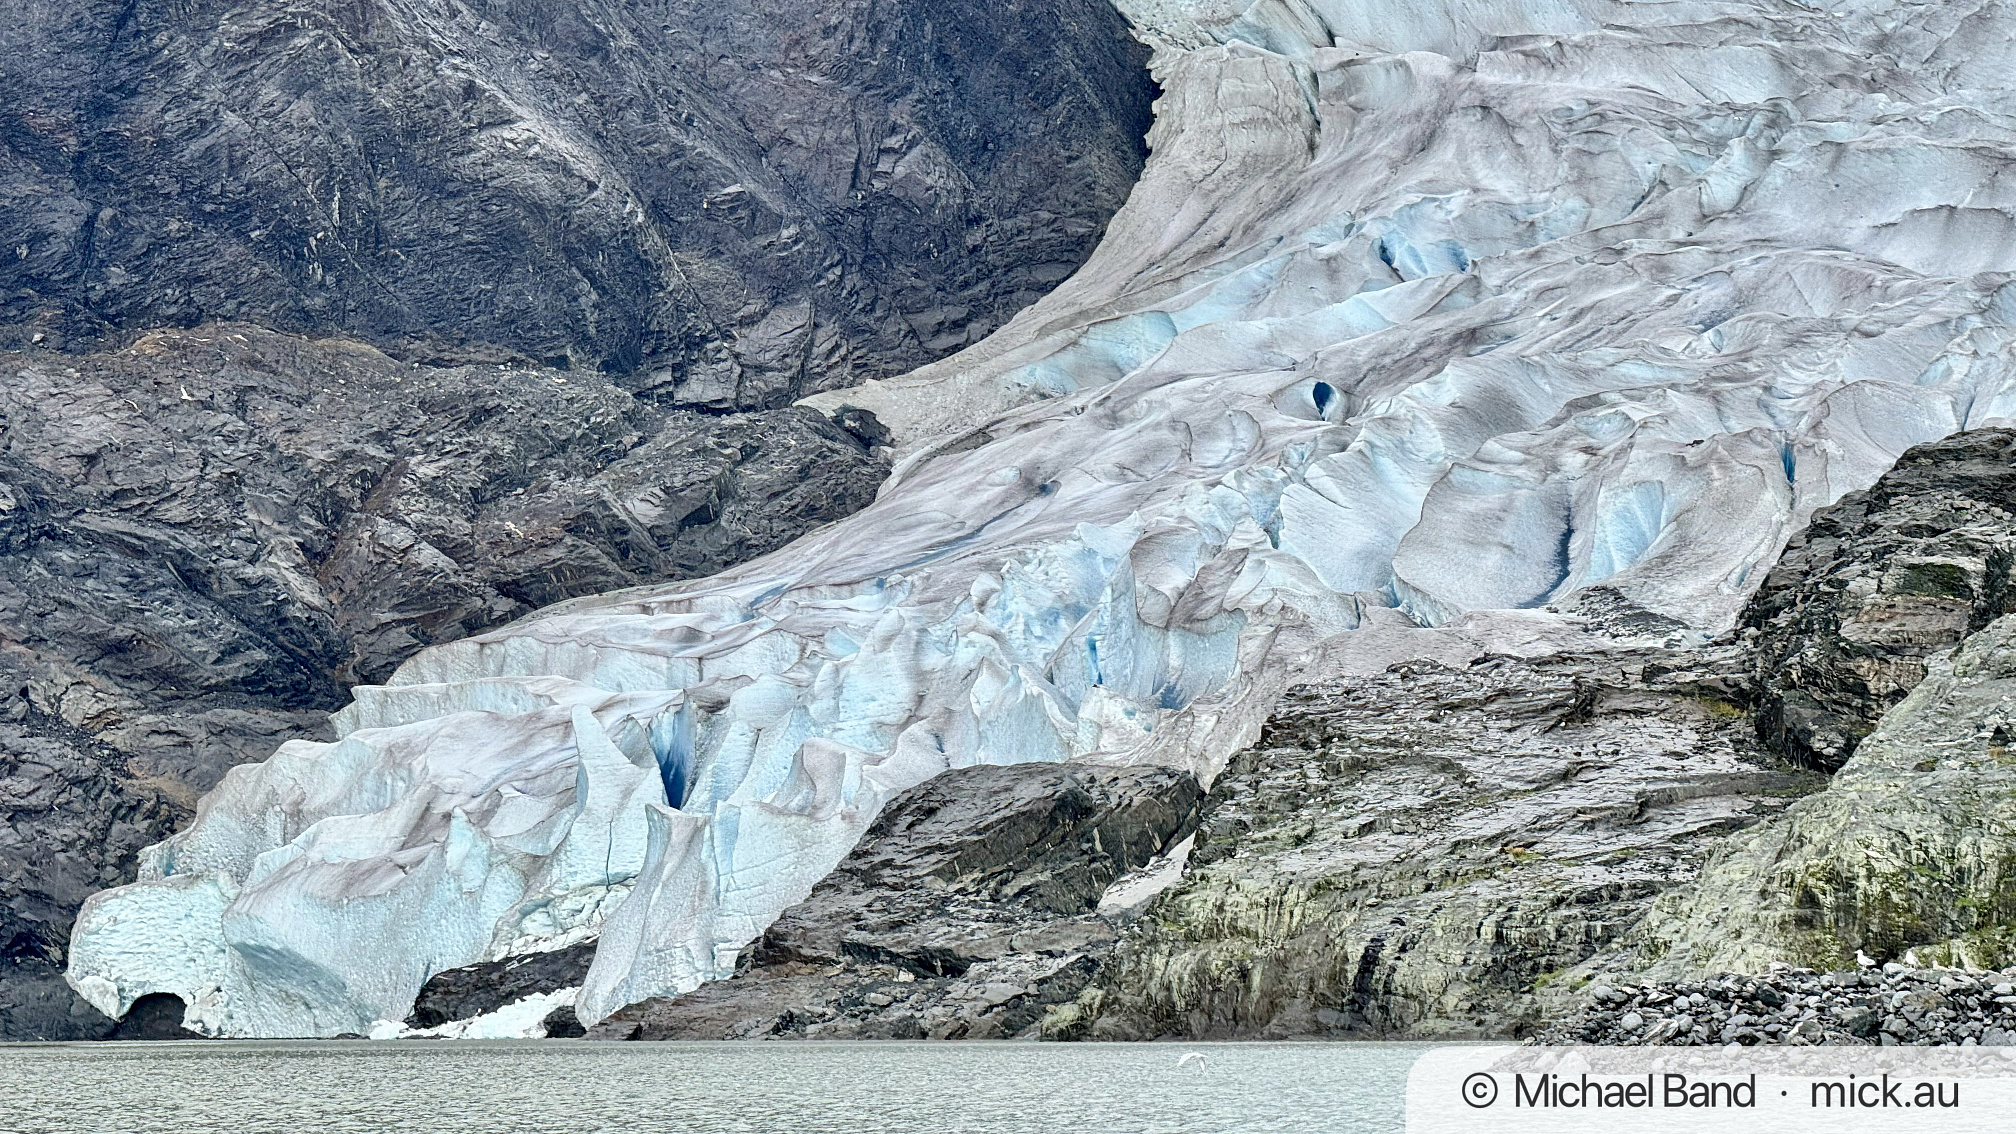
(1459, 316)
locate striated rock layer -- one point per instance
(1912, 847)
(1414, 314)
(1409, 853)
(729, 208)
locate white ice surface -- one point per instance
(1419, 311)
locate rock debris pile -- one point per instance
(1893, 1005)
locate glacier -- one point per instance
(1458, 315)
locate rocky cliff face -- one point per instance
(1897, 878)
(1910, 850)
(728, 206)
(1845, 624)
(72, 820)
(211, 532)
(1409, 853)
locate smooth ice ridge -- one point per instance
(1430, 309)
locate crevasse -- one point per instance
(1418, 311)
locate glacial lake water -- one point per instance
(573, 1087)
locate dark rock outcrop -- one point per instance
(1908, 856)
(71, 822)
(562, 1023)
(969, 909)
(476, 990)
(208, 536)
(1877, 583)
(732, 204)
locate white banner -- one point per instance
(1727, 1090)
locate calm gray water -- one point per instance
(763, 1088)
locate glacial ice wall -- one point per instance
(1419, 310)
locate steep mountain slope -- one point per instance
(1418, 316)
(729, 208)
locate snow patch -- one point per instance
(520, 1019)
(1132, 893)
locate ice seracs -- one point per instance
(1418, 310)
(427, 821)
